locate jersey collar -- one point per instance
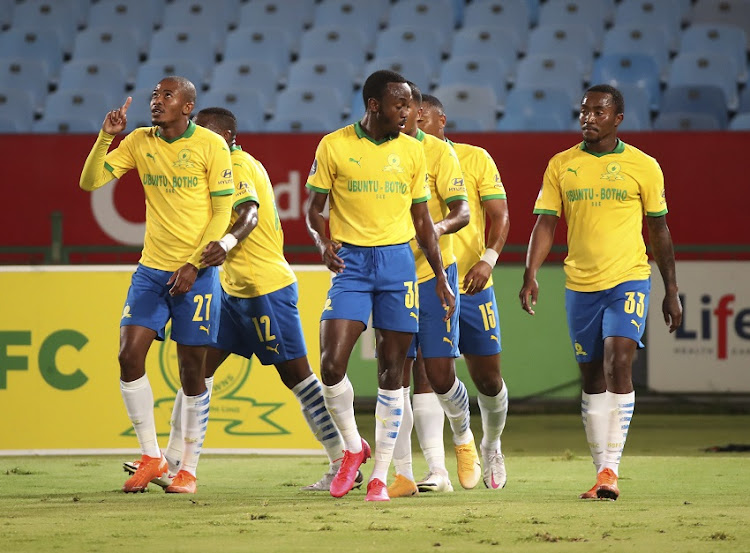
(187, 134)
(235, 147)
(420, 135)
(618, 149)
(362, 134)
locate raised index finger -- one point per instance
(126, 105)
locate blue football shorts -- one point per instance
(267, 326)
(436, 337)
(594, 316)
(195, 315)
(381, 280)
(480, 324)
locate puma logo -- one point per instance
(273, 349)
(445, 339)
(381, 420)
(412, 314)
(357, 161)
(205, 328)
(493, 337)
(636, 324)
(151, 156)
(574, 171)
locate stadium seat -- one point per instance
(744, 106)
(740, 122)
(415, 69)
(637, 115)
(662, 13)
(352, 14)
(150, 73)
(536, 109)
(139, 112)
(105, 77)
(255, 74)
(23, 44)
(561, 72)
(6, 15)
(74, 111)
(483, 39)
(186, 42)
(594, 14)
(418, 42)
(319, 101)
(110, 44)
(293, 15)
(464, 124)
(696, 99)
(27, 75)
(310, 124)
(345, 44)
(141, 16)
(686, 122)
(428, 14)
(64, 125)
(58, 16)
(650, 40)
(247, 104)
(10, 126)
(477, 71)
(576, 40)
(217, 15)
(511, 16)
(725, 39)
(706, 68)
(629, 69)
(269, 45)
(471, 102)
(736, 12)
(323, 72)
(17, 107)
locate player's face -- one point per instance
(168, 104)
(431, 120)
(411, 120)
(599, 118)
(393, 110)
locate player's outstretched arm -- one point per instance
(316, 228)
(94, 175)
(477, 277)
(540, 244)
(215, 253)
(661, 246)
(428, 242)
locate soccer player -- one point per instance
(437, 340)
(259, 313)
(186, 173)
(375, 178)
(604, 187)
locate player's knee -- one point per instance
(489, 384)
(132, 364)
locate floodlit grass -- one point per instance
(674, 497)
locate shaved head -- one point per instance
(184, 86)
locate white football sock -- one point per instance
(595, 416)
(455, 403)
(389, 411)
(402, 450)
(139, 403)
(173, 452)
(309, 393)
(210, 386)
(620, 414)
(494, 410)
(194, 422)
(429, 419)
(339, 400)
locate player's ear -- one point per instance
(618, 119)
(443, 121)
(373, 105)
(187, 109)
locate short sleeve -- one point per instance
(490, 184)
(219, 170)
(549, 200)
(420, 189)
(246, 174)
(450, 183)
(322, 172)
(653, 193)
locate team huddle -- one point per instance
(417, 224)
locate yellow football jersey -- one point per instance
(482, 180)
(604, 198)
(371, 185)
(256, 266)
(178, 177)
(446, 185)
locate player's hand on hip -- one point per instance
(671, 307)
(530, 289)
(182, 279)
(477, 277)
(332, 261)
(213, 254)
(117, 119)
(447, 297)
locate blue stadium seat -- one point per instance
(311, 101)
(740, 122)
(477, 71)
(323, 72)
(469, 102)
(735, 12)
(637, 115)
(141, 16)
(198, 45)
(592, 13)
(74, 111)
(17, 106)
(10, 126)
(725, 39)
(707, 68)
(662, 13)
(686, 122)
(202, 14)
(512, 16)
(536, 109)
(365, 16)
(464, 124)
(744, 106)
(246, 104)
(27, 75)
(64, 125)
(561, 72)
(294, 15)
(309, 124)
(150, 73)
(255, 74)
(105, 77)
(429, 14)
(576, 40)
(47, 16)
(270, 45)
(482, 40)
(356, 106)
(139, 112)
(6, 14)
(23, 44)
(629, 69)
(418, 42)
(345, 44)
(632, 38)
(413, 68)
(108, 44)
(696, 99)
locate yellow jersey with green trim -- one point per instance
(256, 266)
(179, 177)
(604, 198)
(446, 184)
(483, 183)
(371, 185)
